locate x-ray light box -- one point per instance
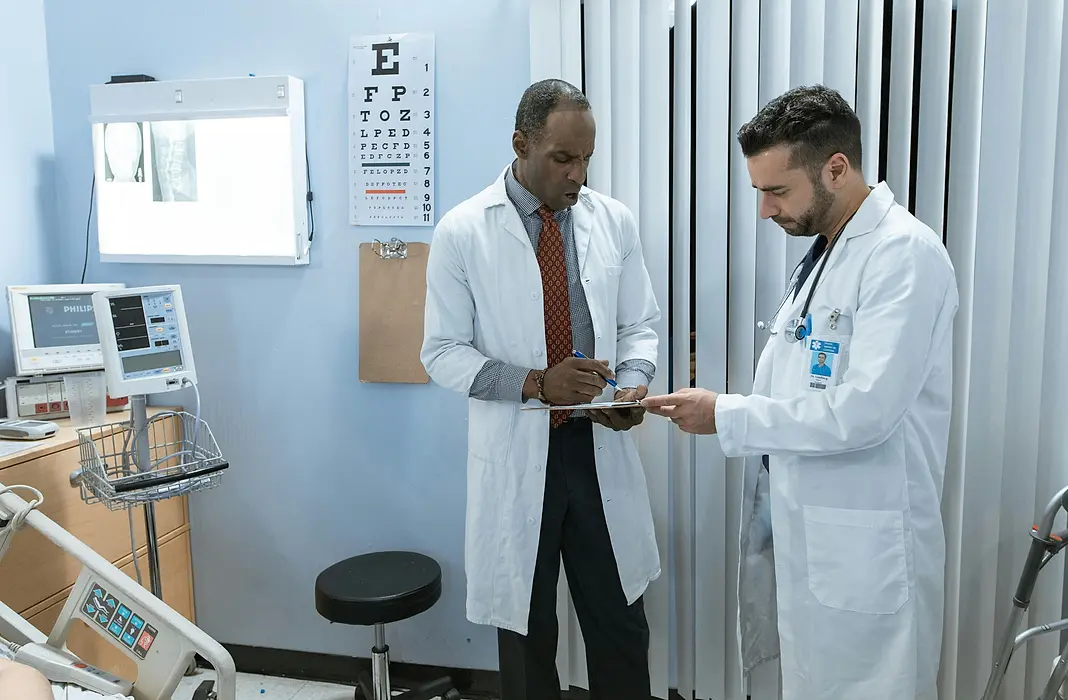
(201, 171)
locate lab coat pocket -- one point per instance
(847, 341)
(611, 283)
(856, 559)
(843, 332)
(490, 428)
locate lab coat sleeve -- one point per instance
(448, 353)
(906, 304)
(636, 309)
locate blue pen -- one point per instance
(580, 356)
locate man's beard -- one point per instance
(814, 220)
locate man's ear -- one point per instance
(836, 169)
(520, 144)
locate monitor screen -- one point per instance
(62, 320)
(147, 334)
(54, 327)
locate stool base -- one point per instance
(376, 686)
(442, 687)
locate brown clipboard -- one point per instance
(392, 307)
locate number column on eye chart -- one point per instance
(421, 184)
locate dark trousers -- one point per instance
(616, 635)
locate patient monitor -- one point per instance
(145, 346)
(54, 333)
(144, 340)
(53, 328)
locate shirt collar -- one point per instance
(525, 202)
(817, 248)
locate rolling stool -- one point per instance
(374, 590)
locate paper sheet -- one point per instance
(598, 405)
(10, 447)
(86, 394)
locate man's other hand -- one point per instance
(622, 418)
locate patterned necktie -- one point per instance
(557, 301)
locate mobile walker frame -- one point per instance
(1045, 544)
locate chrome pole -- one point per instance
(143, 462)
(380, 665)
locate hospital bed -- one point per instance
(1045, 545)
(161, 643)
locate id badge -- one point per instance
(823, 365)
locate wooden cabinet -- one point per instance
(36, 576)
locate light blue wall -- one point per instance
(322, 467)
(27, 187)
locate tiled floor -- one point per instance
(250, 687)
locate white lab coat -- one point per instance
(856, 472)
(484, 300)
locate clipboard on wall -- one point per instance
(392, 307)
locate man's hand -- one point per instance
(693, 410)
(575, 381)
(622, 418)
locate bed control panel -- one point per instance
(161, 642)
(118, 620)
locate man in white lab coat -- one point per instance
(525, 281)
(846, 455)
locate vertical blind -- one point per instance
(964, 106)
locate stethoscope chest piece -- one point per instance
(797, 330)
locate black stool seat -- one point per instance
(378, 588)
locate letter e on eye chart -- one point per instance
(391, 130)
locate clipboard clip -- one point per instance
(395, 248)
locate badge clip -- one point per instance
(834, 318)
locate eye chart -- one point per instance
(391, 130)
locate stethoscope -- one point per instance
(769, 325)
(799, 328)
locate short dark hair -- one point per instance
(540, 100)
(815, 121)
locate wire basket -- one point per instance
(182, 453)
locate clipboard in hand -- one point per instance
(596, 405)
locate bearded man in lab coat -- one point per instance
(525, 281)
(846, 462)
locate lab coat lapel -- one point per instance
(582, 215)
(871, 213)
(799, 301)
(507, 216)
(511, 222)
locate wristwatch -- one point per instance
(539, 377)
